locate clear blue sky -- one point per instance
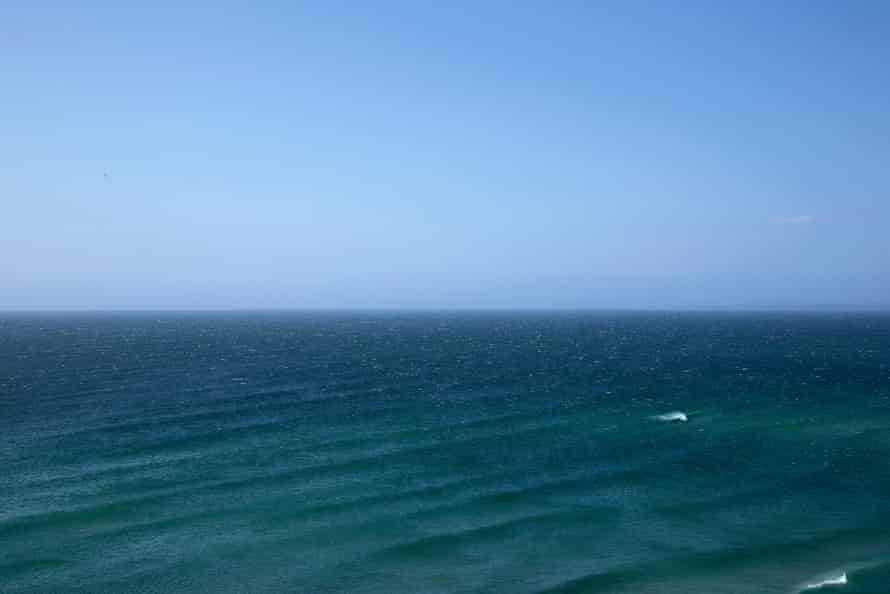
(444, 154)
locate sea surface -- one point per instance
(386, 453)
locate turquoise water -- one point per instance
(388, 453)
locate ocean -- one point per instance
(424, 452)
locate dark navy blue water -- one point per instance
(424, 452)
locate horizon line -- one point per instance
(484, 309)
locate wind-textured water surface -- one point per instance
(391, 453)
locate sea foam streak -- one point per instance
(833, 581)
(673, 416)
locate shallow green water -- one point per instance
(386, 453)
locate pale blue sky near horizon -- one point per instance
(444, 154)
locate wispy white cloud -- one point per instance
(798, 220)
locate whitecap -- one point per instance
(676, 415)
(838, 580)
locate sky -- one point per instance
(460, 154)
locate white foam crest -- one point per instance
(676, 415)
(839, 580)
